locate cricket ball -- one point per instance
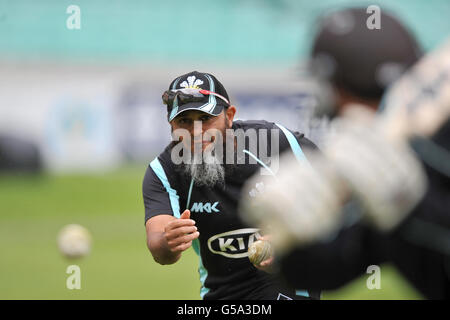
(259, 251)
(74, 241)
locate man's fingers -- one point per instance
(179, 233)
(179, 223)
(266, 237)
(175, 233)
(174, 243)
(266, 262)
(266, 265)
(183, 247)
(186, 214)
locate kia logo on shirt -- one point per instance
(233, 244)
(205, 207)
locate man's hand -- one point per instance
(268, 264)
(168, 237)
(180, 233)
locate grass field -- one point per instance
(33, 209)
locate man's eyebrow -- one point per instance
(188, 114)
(184, 116)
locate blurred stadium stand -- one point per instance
(90, 98)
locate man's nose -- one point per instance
(197, 130)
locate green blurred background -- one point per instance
(263, 35)
(35, 208)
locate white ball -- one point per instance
(260, 251)
(74, 241)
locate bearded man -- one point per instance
(192, 190)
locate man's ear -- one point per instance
(230, 112)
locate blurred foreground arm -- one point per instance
(304, 204)
(306, 208)
(369, 158)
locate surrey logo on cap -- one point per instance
(192, 82)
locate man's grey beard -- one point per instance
(209, 173)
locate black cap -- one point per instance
(361, 60)
(209, 103)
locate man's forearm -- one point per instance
(160, 251)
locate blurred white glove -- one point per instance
(385, 175)
(300, 206)
(304, 204)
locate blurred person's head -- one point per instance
(199, 104)
(360, 63)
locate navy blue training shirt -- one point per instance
(224, 268)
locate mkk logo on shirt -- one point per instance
(205, 207)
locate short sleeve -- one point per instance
(156, 197)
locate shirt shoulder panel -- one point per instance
(253, 124)
(160, 196)
(288, 140)
(296, 142)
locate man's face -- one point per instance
(209, 172)
(208, 122)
